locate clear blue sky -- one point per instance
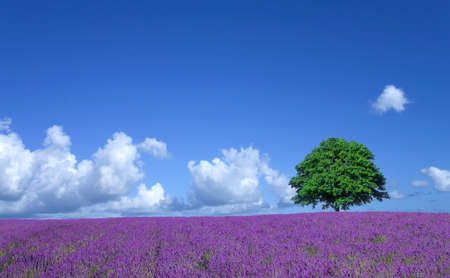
(202, 77)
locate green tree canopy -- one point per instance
(339, 174)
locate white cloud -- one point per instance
(154, 201)
(229, 181)
(57, 138)
(114, 168)
(234, 179)
(418, 183)
(391, 98)
(440, 177)
(4, 124)
(280, 186)
(396, 194)
(147, 200)
(155, 147)
(15, 167)
(50, 180)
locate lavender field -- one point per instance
(327, 244)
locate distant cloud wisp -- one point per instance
(4, 124)
(418, 183)
(391, 98)
(396, 194)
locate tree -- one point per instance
(340, 174)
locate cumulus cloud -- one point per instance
(440, 177)
(15, 167)
(114, 168)
(280, 186)
(155, 147)
(391, 98)
(5, 124)
(51, 180)
(418, 183)
(234, 179)
(57, 138)
(396, 194)
(147, 201)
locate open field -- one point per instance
(328, 244)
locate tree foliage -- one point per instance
(340, 174)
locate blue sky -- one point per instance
(104, 104)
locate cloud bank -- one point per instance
(51, 180)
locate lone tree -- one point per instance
(339, 173)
